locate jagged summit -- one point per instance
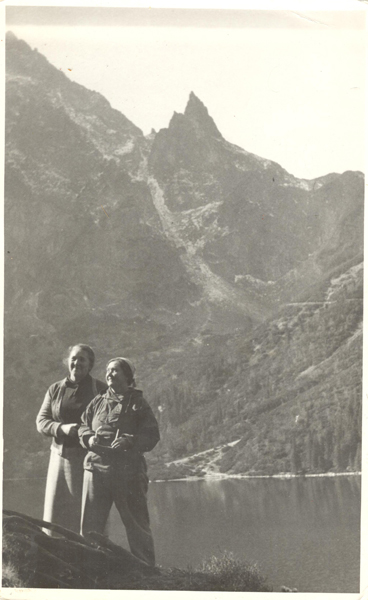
(195, 105)
(198, 113)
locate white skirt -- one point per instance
(64, 486)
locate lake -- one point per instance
(303, 533)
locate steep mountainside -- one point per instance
(287, 397)
(178, 249)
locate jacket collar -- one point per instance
(111, 395)
(76, 385)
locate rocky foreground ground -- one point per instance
(33, 559)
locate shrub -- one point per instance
(227, 573)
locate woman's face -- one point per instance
(78, 363)
(115, 377)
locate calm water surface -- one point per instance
(303, 533)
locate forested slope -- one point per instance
(290, 391)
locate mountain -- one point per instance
(252, 222)
(181, 251)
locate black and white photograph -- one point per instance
(183, 299)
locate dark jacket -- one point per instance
(132, 416)
(51, 416)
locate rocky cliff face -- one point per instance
(146, 246)
(246, 216)
(82, 231)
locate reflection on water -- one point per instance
(303, 533)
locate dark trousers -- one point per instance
(129, 493)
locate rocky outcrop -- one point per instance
(34, 559)
(31, 559)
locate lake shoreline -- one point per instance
(219, 476)
(225, 476)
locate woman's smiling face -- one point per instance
(78, 364)
(115, 377)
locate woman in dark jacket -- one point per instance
(117, 428)
(59, 418)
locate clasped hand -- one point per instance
(70, 429)
(120, 443)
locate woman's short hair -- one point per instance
(87, 349)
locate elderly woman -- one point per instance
(59, 418)
(117, 428)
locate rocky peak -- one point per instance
(196, 112)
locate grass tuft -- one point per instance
(227, 573)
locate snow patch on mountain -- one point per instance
(302, 184)
(196, 215)
(346, 280)
(253, 280)
(126, 148)
(263, 162)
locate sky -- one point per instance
(286, 85)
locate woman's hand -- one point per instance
(70, 429)
(92, 441)
(124, 442)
